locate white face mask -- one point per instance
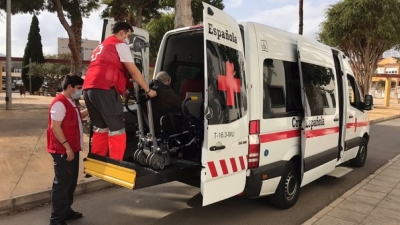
(77, 94)
(126, 40)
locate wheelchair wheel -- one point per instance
(148, 159)
(140, 157)
(135, 156)
(156, 161)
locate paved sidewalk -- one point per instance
(26, 167)
(376, 200)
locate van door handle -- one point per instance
(351, 116)
(336, 119)
(215, 148)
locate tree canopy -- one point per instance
(197, 7)
(129, 10)
(134, 12)
(22, 6)
(74, 10)
(52, 73)
(363, 30)
(157, 27)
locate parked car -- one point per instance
(12, 87)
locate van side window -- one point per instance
(354, 94)
(281, 89)
(227, 96)
(320, 90)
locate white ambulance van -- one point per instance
(278, 111)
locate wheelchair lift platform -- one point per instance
(135, 176)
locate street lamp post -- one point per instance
(8, 57)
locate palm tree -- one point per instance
(301, 17)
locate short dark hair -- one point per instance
(72, 80)
(121, 25)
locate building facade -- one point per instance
(389, 65)
(87, 47)
(386, 81)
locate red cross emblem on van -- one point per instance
(229, 83)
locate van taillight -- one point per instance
(200, 26)
(254, 127)
(254, 144)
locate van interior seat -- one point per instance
(191, 85)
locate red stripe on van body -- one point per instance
(359, 124)
(213, 170)
(279, 136)
(321, 132)
(242, 165)
(223, 166)
(233, 163)
(296, 133)
(264, 138)
(363, 124)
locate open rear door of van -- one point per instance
(225, 147)
(320, 127)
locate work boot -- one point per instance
(73, 215)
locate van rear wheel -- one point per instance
(361, 157)
(288, 190)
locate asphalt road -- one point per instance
(176, 203)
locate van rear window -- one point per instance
(227, 96)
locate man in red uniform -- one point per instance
(104, 82)
(64, 142)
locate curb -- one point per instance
(22, 202)
(348, 193)
(383, 119)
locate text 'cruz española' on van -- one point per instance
(310, 123)
(222, 34)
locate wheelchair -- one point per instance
(165, 136)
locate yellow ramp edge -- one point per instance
(112, 173)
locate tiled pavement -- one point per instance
(376, 200)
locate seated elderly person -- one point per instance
(165, 102)
(166, 96)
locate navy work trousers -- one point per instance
(64, 184)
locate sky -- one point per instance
(282, 14)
